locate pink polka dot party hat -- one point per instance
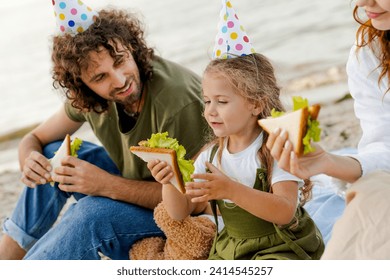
(72, 16)
(231, 40)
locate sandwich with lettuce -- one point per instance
(301, 124)
(67, 148)
(164, 148)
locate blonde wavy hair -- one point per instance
(253, 77)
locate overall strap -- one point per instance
(213, 202)
(292, 245)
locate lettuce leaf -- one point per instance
(75, 146)
(299, 103)
(161, 140)
(313, 133)
(276, 114)
(313, 130)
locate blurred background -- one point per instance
(308, 42)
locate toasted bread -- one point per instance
(168, 155)
(314, 110)
(64, 150)
(295, 123)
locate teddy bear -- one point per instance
(188, 239)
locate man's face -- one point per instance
(115, 79)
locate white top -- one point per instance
(372, 108)
(242, 166)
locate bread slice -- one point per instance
(314, 110)
(295, 123)
(162, 154)
(64, 150)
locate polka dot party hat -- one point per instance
(72, 16)
(231, 40)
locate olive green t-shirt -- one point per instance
(173, 103)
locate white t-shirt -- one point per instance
(242, 166)
(372, 108)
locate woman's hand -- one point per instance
(303, 167)
(214, 185)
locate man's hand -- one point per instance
(36, 170)
(76, 175)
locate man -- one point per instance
(113, 81)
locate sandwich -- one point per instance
(67, 148)
(167, 149)
(301, 124)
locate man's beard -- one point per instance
(133, 98)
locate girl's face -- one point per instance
(227, 112)
(378, 11)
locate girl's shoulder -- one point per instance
(207, 151)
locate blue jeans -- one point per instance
(91, 225)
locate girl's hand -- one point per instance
(161, 171)
(215, 185)
(303, 167)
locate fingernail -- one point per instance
(287, 144)
(293, 156)
(276, 130)
(282, 133)
(43, 181)
(48, 168)
(47, 175)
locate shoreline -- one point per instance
(331, 81)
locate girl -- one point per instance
(263, 216)
(368, 80)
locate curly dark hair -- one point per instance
(70, 55)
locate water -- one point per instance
(302, 38)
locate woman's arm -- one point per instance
(318, 162)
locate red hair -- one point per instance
(367, 35)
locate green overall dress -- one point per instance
(246, 236)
